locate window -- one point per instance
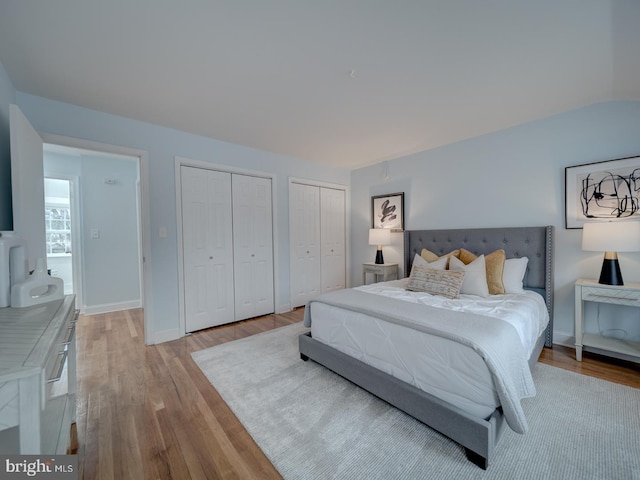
(58, 228)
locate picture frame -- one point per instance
(387, 211)
(602, 191)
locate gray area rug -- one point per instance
(313, 424)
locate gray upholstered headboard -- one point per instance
(535, 243)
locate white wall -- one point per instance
(513, 177)
(163, 145)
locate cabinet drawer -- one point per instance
(56, 367)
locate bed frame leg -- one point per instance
(476, 459)
(304, 357)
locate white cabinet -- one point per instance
(317, 238)
(227, 247)
(37, 377)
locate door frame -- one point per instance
(187, 162)
(143, 209)
(76, 238)
(347, 224)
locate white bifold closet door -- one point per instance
(207, 248)
(304, 201)
(253, 246)
(318, 241)
(227, 241)
(332, 239)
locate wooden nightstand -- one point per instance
(388, 271)
(591, 291)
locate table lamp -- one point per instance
(379, 237)
(611, 238)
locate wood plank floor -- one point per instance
(148, 412)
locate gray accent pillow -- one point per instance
(446, 283)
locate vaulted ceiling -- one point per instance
(342, 82)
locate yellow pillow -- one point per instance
(431, 257)
(494, 266)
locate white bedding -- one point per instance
(526, 311)
(454, 372)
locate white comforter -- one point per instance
(471, 385)
(526, 311)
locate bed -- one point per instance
(476, 423)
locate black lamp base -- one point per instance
(610, 273)
(379, 259)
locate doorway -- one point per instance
(95, 247)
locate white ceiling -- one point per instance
(343, 82)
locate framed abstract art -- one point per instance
(387, 211)
(602, 191)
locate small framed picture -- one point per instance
(602, 191)
(387, 211)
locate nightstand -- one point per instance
(591, 291)
(388, 271)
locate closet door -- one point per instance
(207, 248)
(252, 246)
(304, 201)
(333, 240)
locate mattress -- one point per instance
(452, 372)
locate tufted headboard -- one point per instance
(535, 243)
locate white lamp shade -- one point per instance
(379, 236)
(611, 237)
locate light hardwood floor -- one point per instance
(148, 412)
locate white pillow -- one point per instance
(475, 275)
(513, 274)
(440, 264)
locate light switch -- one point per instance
(163, 232)
(95, 233)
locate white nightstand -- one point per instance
(388, 271)
(592, 291)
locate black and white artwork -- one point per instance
(387, 211)
(602, 191)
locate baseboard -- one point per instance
(284, 308)
(166, 336)
(110, 307)
(565, 339)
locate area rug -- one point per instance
(313, 424)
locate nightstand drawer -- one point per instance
(375, 270)
(611, 295)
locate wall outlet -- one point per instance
(95, 233)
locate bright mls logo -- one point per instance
(51, 467)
